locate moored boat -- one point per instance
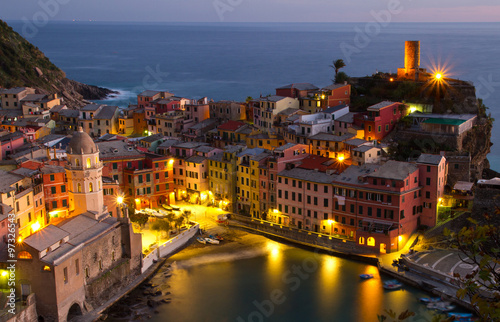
(460, 316)
(441, 306)
(201, 240)
(212, 241)
(430, 299)
(392, 285)
(366, 276)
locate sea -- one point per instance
(237, 60)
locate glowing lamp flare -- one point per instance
(119, 200)
(36, 226)
(438, 76)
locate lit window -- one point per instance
(24, 255)
(79, 187)
(370, 241)
(88, 162)
(91, 187)
(361, 240)
(77, 162)
(46, 268)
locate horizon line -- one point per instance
(257, 22)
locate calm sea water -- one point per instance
(233, 61)
(279, 283)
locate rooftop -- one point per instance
(7, 179)
(43, 239)
(348, 118)
(14, 90)
(351, 174)
(320, 163)
(106, 113)
(300, 86)
(285, 147)
(168, 143)
(356, 142)
(204, 149)
(334, 109)
(463, 186)
(149, 93)
(308, 175)
(364, 148)
(33, 97)
(381, 105)
(152, 138)
(48, 169)
(230, 126)
(251, 152)
(189, 145)
(434, 159)
(196, 159)
(25, 172)
(69, 113)
(90, 107)
(272, 98)
(289, 111)
(81, 229)
(395, 170)
(333, 86)
(117, 149)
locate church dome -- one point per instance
(81, 143)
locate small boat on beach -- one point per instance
(428, 300)
(216, 237)
(366, 276)
(201, 240)
(212, 241)
(392, 285)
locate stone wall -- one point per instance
(334, 246)
(26, 314)
(108, 283)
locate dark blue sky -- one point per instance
(252, 10)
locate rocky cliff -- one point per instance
(22, 64)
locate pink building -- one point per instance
(10, 142)
(433, 173)
(380, 119)
(304, 198)
(378, 207)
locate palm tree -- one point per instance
(337, 65)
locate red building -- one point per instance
(380, 119)
(337, 94)
(55, 190)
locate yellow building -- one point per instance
(23, 197)
(265, 141)
(248, 184)
(222, 174)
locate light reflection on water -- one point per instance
(310, 287)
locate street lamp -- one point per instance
(119, 200)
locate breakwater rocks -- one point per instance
(145, 300)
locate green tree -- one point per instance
(479, 241)
(138, 218)
(337, 65)
(341, 77)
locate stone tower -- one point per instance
(84, 173)
(412, 70)
(412, 55)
